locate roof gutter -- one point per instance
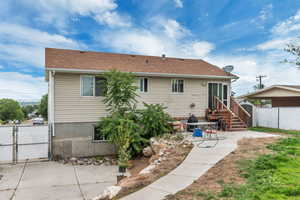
(141, 73)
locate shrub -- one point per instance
(121, 131)
(154, 120)
(108, 128)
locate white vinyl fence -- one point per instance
(281, 117)
(19, 143)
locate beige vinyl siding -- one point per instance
(71, 107)
(178, 104)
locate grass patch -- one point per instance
(269, 177)
(275, 130)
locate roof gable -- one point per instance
(86, 60)
(275, 91)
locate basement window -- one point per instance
(97, 136)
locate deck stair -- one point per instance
(234, 118)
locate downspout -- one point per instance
(51, 101)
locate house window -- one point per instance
(93, 86)
(144, 84)
(100, 86)
(177, 86)
(87, 85)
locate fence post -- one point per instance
(278, 118)
(50, 141)
(14, 145)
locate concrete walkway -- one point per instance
(195, 165)
(54, 181)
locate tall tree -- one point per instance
(10, 110)
(294, 50)
(43, 107)
(28, 110)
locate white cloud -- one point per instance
(166, 36)
(178, 3)
(60, 11)
(173, 29)
(266, 12)
(288, 26)
(113, 19)
(282, 33)
(278, 43)
(26, 45)
(21, 86)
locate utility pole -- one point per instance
(259, 78)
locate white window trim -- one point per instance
(228, 92)
(143, 85)
(184, 88)
(94, 87)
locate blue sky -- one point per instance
(249, 34)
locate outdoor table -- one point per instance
(212, 125)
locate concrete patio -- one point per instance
(54, 181)
(199, 160)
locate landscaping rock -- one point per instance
(148, 169)
(90, 161)
(109, 193)
(148, 152)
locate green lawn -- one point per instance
(269, 177)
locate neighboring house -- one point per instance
(184, 86)
(285, 110)
(280, 95)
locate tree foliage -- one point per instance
(259, 86)
(154, 120)
(294, 50)
(43, 107)
(10, 110)
(126, 127)
(28, 109)
(120, 92)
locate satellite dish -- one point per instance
(228, 68)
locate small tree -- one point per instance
(120, 92)
(43, 107)
(119, 127)
(10, 110)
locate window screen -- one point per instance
(87, 86)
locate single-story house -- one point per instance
(280, 95)
(184, 86)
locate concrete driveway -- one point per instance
(54, 181)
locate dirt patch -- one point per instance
(226, 171)
(138, 165)
(137, 181)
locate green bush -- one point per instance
(108, 128)
(154, 120)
